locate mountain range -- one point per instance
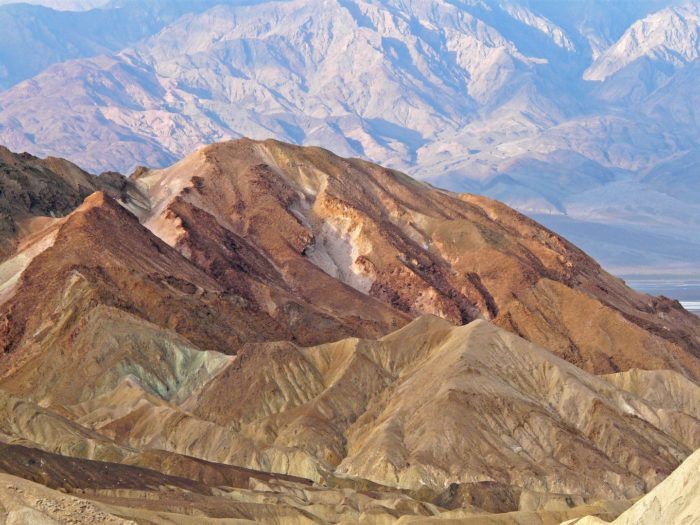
(216, 307)
(272, 333)
(581, 114)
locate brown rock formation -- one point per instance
(206, 341)
(347, 235)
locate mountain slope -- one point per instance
(66, 5)
(217, 75)
(246, 338)
(100, 258)
(673, 501)
(601, 85)
(24, 501)
(417, 249)
(669, 35)
(507, 411)
(34, 189)
(37, 36)
(403, 436)
(292, 238)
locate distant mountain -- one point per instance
(37, 36)
(62, 5)
(561, 109)
(668, 36)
